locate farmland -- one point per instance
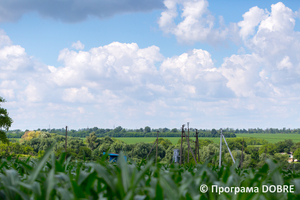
(40, 171)
(271, 138)
(63, 179)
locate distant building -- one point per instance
(113, 157)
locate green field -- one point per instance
(272, 138)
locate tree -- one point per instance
(147, 129)
(92, 141)
(284, 146)
(236, 143)
(268, 148)
(5, 122)
(165, 130)
(118, 129)
(174, 130)
(281, 159)
(297, 154)
(214, 133)
(164, 142)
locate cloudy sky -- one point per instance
(157, 63)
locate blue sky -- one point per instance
(150, 63)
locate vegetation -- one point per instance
(35, 143)
(36, 166)
(5, 122)
(51, 178)
(121, 132)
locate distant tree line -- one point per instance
(122, 132)
(148, 132)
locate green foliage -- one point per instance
(15, 149)
(236, 143)
(164, 142)
(296, 154)
(268, 148)
(5, 122)
(208, 152)
(50, 178)
(281, 159)
(92, 141)
(147, 129)
(284, 146)
(203, 143)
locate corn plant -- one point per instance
(51, 178)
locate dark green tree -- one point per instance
(92, 141)
(5, 122)
(214, 133)
(147, 129)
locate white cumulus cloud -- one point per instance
(197, 23)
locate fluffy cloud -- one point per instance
(19, 73)
(78, 45)
(197, 24)
(74, 10)
(74, 94)
(251, 19)
(272, 70)
(114, 66)
(193, 73)
(121, 83)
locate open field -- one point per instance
(272, 138)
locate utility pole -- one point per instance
(191, 149)
(197, 146)
(66, 143)
(188, 139)
(220, 155)
(181, 144)
(156, 145)
(156, 142)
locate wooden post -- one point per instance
(151, 148)
(66, 143)
(189, 147)
(197, 146)
(188, 138)
(181, 144)
(196, 149)
(156, 145)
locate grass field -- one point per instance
(272, 138)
